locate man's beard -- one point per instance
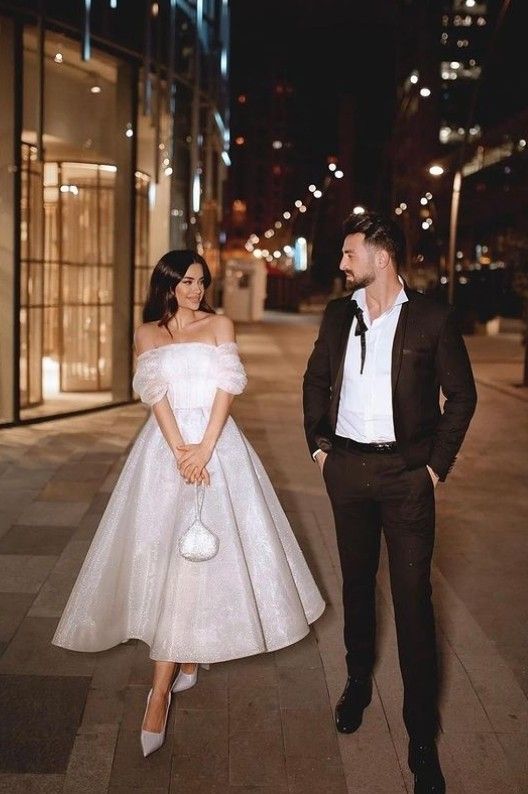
(352, 283)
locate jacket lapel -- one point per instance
(344, 331)
(397, 345)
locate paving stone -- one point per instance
(32, 784)
(13, 609)
(30, 652)
(256, 757)
(91, 761)
(131, 771)
(83, 471)
(302, 687)
(24, 573)
(68, 491)
(40, 716)
(35, 540)
(200, 748)
(103, 707)
(99, 503)
(58, 514)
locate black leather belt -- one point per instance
(382, 448)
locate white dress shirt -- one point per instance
(365, 405)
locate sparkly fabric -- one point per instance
(257, 594)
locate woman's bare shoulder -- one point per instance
(144, 337)
(223, 328)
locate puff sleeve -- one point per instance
(231, 376)
(147, 381)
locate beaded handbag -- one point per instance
(198, 543)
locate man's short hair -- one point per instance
(380, 231)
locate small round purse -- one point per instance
(198, 543)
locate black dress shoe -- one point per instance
(425, 766)
(356, 696)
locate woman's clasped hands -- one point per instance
(192, 461)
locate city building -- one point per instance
(114, 138)
(458, 151)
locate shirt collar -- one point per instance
(401, 297)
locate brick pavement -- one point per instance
(70, 721)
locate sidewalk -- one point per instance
(71, 721)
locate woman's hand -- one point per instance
(192, 461)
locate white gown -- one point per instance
(257, 594)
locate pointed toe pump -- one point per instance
(186, 680)
(150, 741)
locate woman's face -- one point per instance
(190, 290)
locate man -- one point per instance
(374, 425)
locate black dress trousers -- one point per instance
(370, 492)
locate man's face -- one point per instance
(358, 262)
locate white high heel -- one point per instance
(151, 741)
(186, 680)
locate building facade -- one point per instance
(114, 138)
(462, 111)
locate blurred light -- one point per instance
(332, 166)
(339, 175)
(277, 254)
(423, 201)
(95, 89)
(455, 65)
(277, 144)
(436, 170)
(443, 280)
(398, 210)
(403, 206)
(249, 247)
(278, 225)
(288, 250)
(155, 9)
(301, 254)
(312, 188)
(240, 141)
(302, 208)
(254, 238)
(226, 158)
(50, 376)
(257, 252)
(195, 193)
(269, 233)
(471, 3)
(317, 194)
(298, 203)
(522, 143)
(428, 196)
(358, 210)
(129, 132)
(168, 172)
(414, 77)
(73, 189)
(242, 99)
(425, 92)
(425, 225)
(58, 57)
(286, 215)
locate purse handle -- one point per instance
(199, 494)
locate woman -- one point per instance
(256, 594)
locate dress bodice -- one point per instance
(189, 373)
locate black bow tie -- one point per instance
(361, 329)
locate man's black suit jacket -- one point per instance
(428, 354)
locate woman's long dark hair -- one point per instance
(161, 304)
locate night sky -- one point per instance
(327, 50)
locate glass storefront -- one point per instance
(91, 134)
